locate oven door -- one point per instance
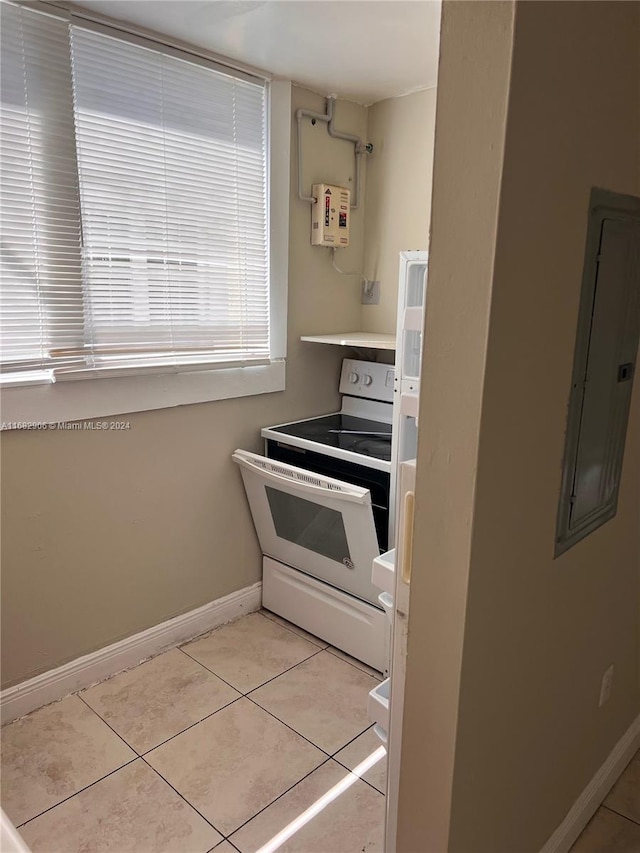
(323, 527)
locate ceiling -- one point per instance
(363, 50)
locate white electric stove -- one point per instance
(321, 503)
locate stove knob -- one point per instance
(366, 379)
(354, 378)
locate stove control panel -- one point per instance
(368, 379)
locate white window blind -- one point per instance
(39, 205)
(134, 210)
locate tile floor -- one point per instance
(248, 734)
(242, 740)
(615, 827)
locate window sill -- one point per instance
(96, 398)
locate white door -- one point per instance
(403, 565)
(323, 527)
(412, 289)
(412, 292)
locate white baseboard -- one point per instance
(587, 803)
(87, 670)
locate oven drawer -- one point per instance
(347, 623)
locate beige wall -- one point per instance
(105, 534)
(538, 632)
(547, 628)
(398, 198)
(470, 127)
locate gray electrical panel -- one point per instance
(604, 363)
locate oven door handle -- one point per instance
(281, 474)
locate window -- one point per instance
(138, 234)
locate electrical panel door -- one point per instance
(606, 352)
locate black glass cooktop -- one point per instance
(359, 435)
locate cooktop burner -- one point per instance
(359, 435)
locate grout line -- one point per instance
(362, 779)
(282, 722)
(255, 702)
(332, 651)
(151, 749)
(328, 754)
(93, 711)
(323, 762)
(75, 794)
(286, 627)
(326, 648)
(626, 817)
(268, 681)
(210, 671)
(137, 755)
(350, 769)
(284, 672)
(279, 797)
(182, 797)
(247, 695)
(290, 788)
(142, 756)
(190, 726)
(349, 742)
(233, 701)
(162, 743)
(328, 757)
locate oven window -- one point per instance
(310, 525)
(378, 482)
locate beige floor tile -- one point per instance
(250, 651)
(131, 811)
(359, 750)
(296, 630)
(224, 847)
(54, 752)
(608, 833)
(234, 763)
(156, 700)
(624, 797)
(363, 666)
(324, 698)
(348, 822)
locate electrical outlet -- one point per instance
(605, 688)
(370, 292)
